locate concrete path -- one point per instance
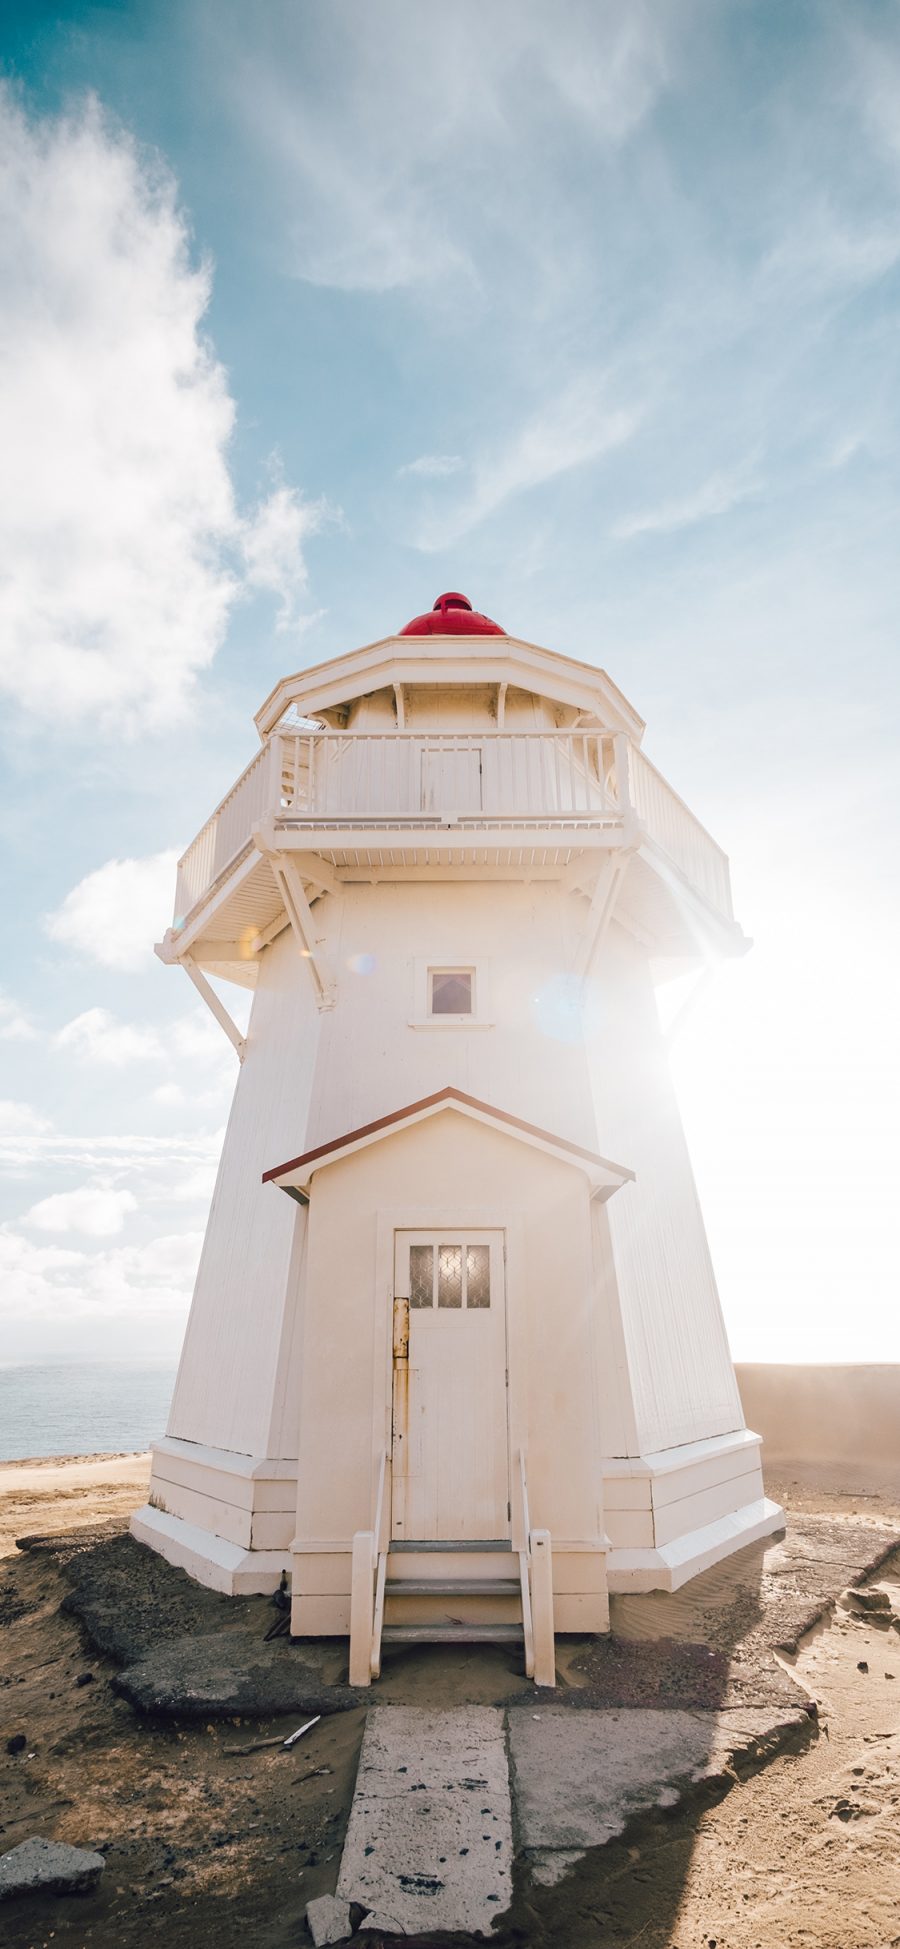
(580, 1777)
(429, 1844)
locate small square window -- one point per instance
(450, 1275)
(421, 1275)
(451, 991)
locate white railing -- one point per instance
(334, 776)
(674, 828)
(480, 779)
(228, 831)
(367, 1580)
(536, 1582)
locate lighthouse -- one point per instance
(455, 1360)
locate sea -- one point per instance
(88, 1408)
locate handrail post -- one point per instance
(524, 1517)
(361, 1607)
(276, 773)
(542, 1607)
(622, 749)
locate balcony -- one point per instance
(400, 799)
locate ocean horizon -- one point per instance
(82, 1407)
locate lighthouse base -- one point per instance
(230, 1520)
(227, 1519)
(210, 1560)
(674, 1513)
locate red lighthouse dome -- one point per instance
(452, 615)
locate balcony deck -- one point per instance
(420, 803)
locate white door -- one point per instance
(451, 778)
(450, 1445)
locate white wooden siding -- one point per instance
(682, 1380)
(370, 1061)
(226, 1383)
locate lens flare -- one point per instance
(556, 1009)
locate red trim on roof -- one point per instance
(448, 1095)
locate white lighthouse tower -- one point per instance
(455, 1359)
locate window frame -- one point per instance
(455, 1015)
(424, 967)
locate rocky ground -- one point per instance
(159, 1760)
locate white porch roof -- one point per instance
(603, 1176)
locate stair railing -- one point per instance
(525, 1572)
(382, 1546)
(536, 1577)
(367, 1577)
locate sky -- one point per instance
(311, 311)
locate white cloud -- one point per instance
(118, 523)
(196, 1186)
(99, 1036)
(197, 1037)
(28, 1139)
(395, 160)
(53, 1283)
(14, 1025)
(613, 75)
(824, 253)
(272, 546)
(36, 1279)
(580, 424)
(433, 466)
(20, 1123)
(115, 914)
(873, 75)
(95, 1209)
(175, 1256)
(170, 1096)
(716, 496)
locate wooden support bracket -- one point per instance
(267, 935)
(291, 868)
(216, 1007)
(297, 908)
(317, 871)
(600, 911)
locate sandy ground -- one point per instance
(70, 1490)
(211, 1837)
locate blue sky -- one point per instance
(312, 311)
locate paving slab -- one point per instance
(580, 1777)
(429, 1841)
(40, 1867)
(327, 1920)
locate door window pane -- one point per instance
(451, 991)
(421, 1275)
(478, 1275)
(450, 1275)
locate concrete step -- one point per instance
(452, 1634)
(452, 1587)
(427, 1566)
(469, 1546)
